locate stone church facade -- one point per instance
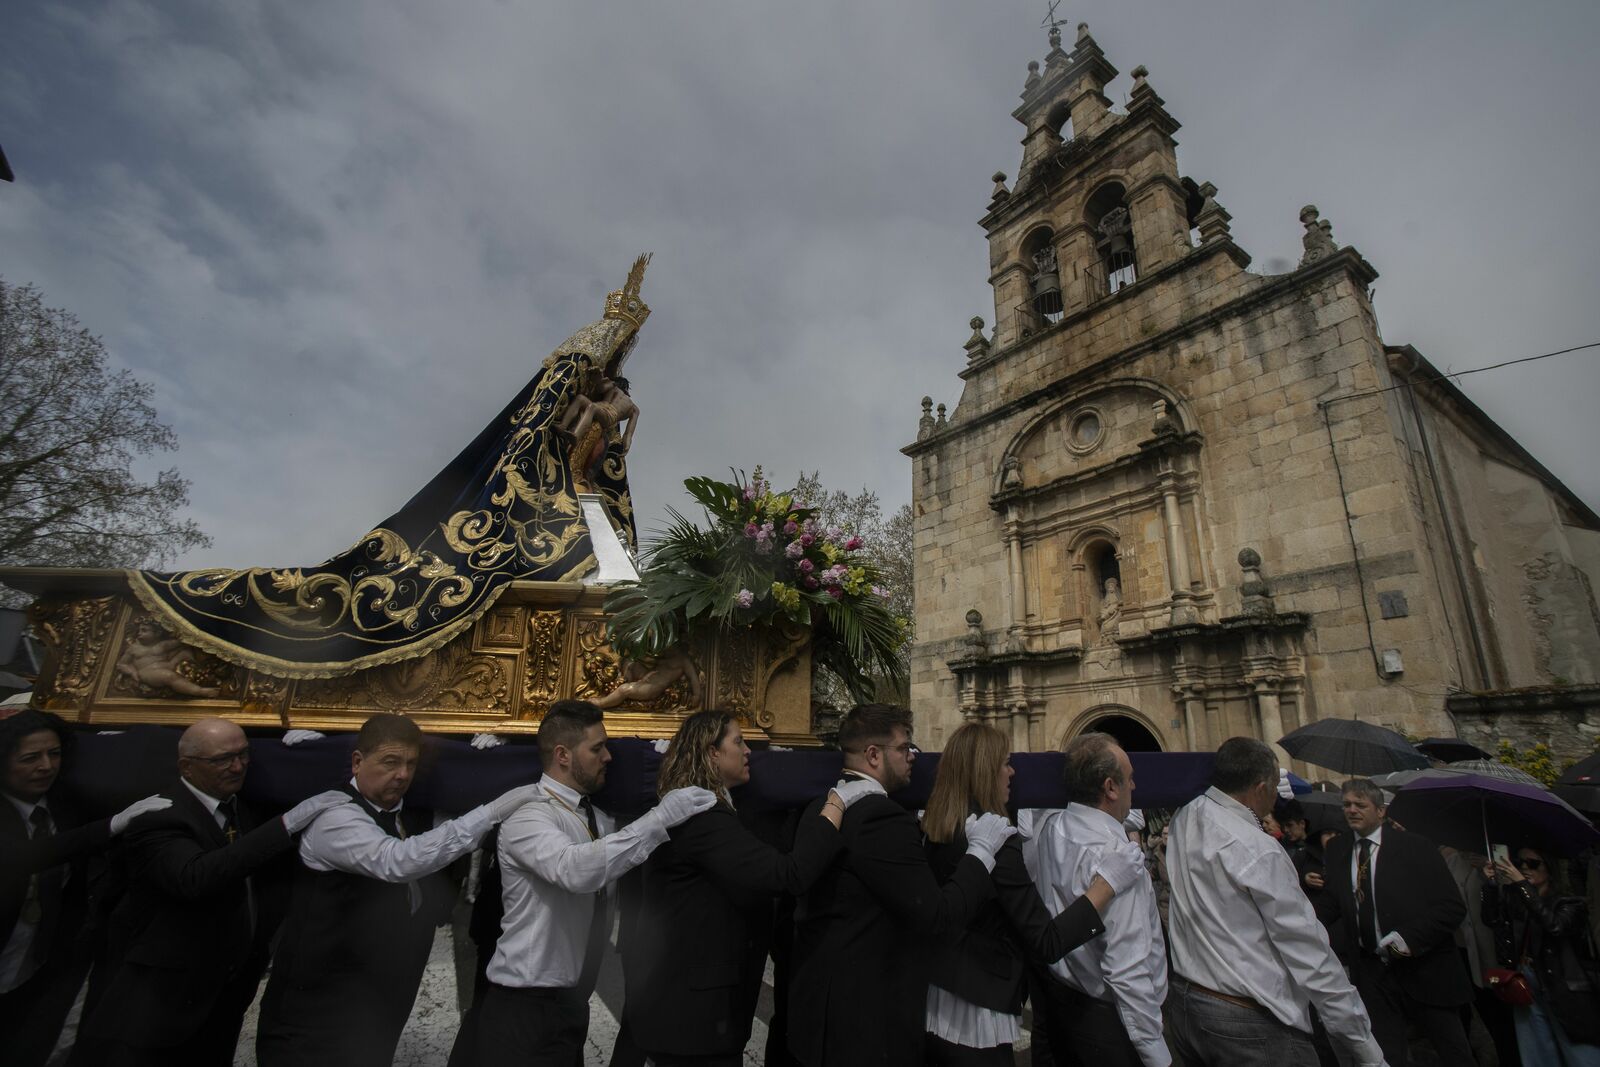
(1181, 501)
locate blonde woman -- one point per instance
(694, 968)
(974, 1011)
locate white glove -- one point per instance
(299, 817)
(294, 737)
(108, 733)
(483, 741)
(985, 834)
(1134, 821)
(1122, 866)
(851, 790)
(502, 806)
(120, 821)
(681, 805)
(1394, 943)
(661, 744)
(1285, 790)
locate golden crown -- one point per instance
(624, 303)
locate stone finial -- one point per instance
(1140, 73)
(977, 345)
(1083, 33)
(976, 645)
(1318, 239)
(1011, 473)
(1212, 218)
(1257, 597)
(941, 423)
(1033, 75)
(925, 424)
(1000, 190)
(1163, 425)
(974, 617)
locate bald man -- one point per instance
(189, 940)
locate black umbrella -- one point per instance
(1450, 749)
(1324, 811)
(1580, 785)
(1352, 747)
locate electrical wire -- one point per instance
(1463, 373)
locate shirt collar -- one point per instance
(877, 786)
(211, 803)
(1228, 804)
(1098, 819)
(562, 792)
(370, 804)
(25, 807)
(1376, 837)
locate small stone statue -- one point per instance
(152, 659)
(1111, 606)
(1318, 240)
(1044, 260)
(1011, 473)
(645, 684)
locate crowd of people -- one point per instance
(1226, 934)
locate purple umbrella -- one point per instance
(1470, 811)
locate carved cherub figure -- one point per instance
(601, 399)
(152, 659)
(644, 683)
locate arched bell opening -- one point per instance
(1044, 293)
(1107, 215)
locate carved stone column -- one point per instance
(1177, 550)
(1017, 608)
(1191, 696)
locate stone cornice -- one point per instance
(1346, 260)
(1280, 622)
(1148, 451)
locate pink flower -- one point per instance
(810, 582)
(807, 540)
(795, 550)
(750, 492)
(790, 528)
(745, 598)
(853, 544)
(751, 529)
(836, 592)
(834, 533)
(806, 566)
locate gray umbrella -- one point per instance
(1352, 747)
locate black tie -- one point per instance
(46, 885)
(600, 924)
(1366, 910)
(229, 810)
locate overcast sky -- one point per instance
(336, 236)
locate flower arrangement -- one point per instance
(764, 562)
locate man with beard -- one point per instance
(366, 903)
(860, 982)
(558, 857)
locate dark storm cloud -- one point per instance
(336, 235)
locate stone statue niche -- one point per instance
(1106, 575)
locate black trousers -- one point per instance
(1393, 1010)
(717, 1059)
(531, 1027)
(31, 1015)
(937, 1052)
(1083, 1031)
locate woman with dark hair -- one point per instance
(1554, 952)
(693, 971)
(978, 980)
(43, 846)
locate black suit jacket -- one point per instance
(61, 913)
(699, 944)
(182, 940)
(986, 964)
(1416, 897)
(862, 934)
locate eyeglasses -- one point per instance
(225, 760)
(1530, 863)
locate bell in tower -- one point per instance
(1047, 284)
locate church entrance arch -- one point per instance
(1133, 734)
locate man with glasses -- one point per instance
(860, 980)
(1398, 913)
(189, 940)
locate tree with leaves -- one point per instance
(888, 546)
(71, 430)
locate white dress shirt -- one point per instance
(1240, 924)
(550, 870)
(15, 967)
(345, 838)
(209, 802)
(1126, 965)
(1376, 837)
